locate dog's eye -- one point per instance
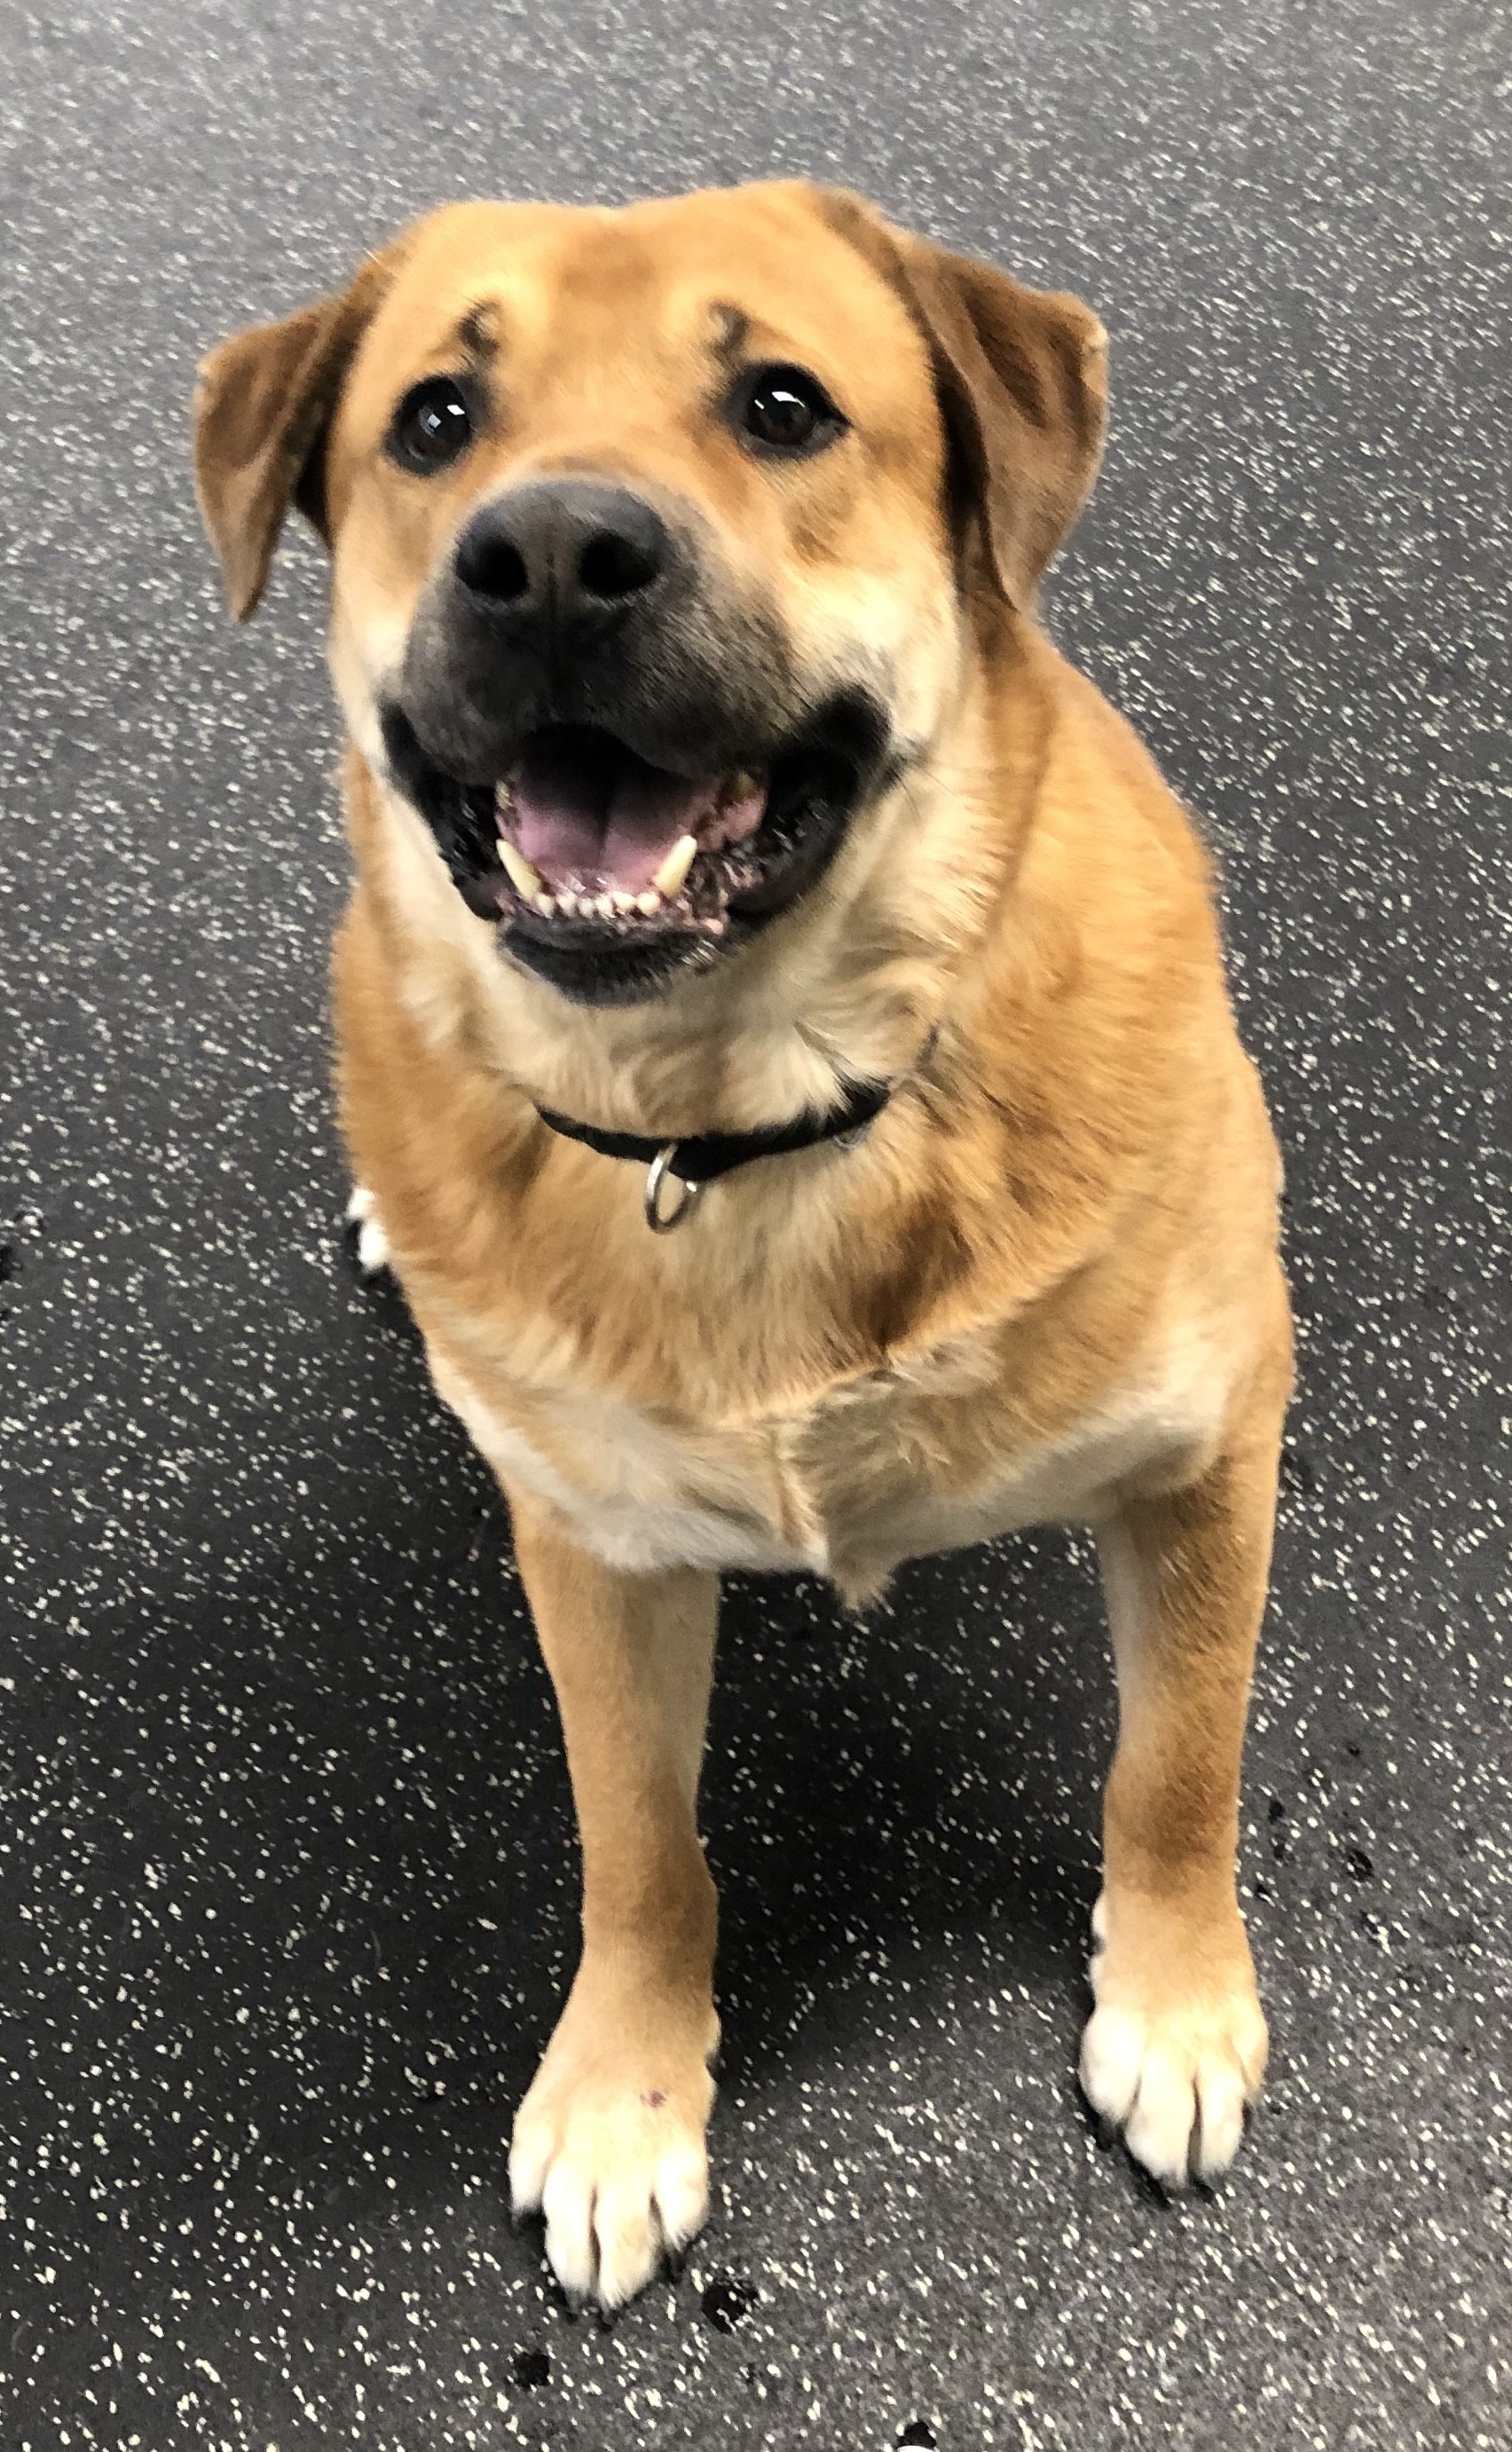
(432, 426)
(782, 408)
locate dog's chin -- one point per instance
(677, 878)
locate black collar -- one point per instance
(702, 1158)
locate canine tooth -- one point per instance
(740, 786)
(672, 875)
(524, 879)
(649, 904)
(503, 791)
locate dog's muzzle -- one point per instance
(613, 750)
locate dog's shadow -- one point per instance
(889, 1797)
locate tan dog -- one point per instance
(709, 778)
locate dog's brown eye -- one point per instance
(432, 426)
(784, 409)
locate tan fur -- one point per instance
(1046, 1284)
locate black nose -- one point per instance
(564, 550)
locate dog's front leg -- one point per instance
(1176, 2046)
(609, 2143)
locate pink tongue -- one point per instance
(589, 811)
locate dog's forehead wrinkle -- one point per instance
(710, 272)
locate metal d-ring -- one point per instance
(662, 1221)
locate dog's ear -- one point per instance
(264, 402)
(1022, 379)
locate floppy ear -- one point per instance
(1022, 376)
(265, 400)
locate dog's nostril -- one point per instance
(611, 565)
(550, 554)
(490, 566)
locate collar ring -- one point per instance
(661, 1220)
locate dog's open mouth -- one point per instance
(589, 830)
(606, 872)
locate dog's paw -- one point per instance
(609, 2146)
(1175, 2048)
(364, 1221)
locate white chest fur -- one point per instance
(841, 1489)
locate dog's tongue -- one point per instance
(586, 808)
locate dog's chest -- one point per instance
(642, 1490)
(864, 1476)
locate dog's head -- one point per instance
(659, 537)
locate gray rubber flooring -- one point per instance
(288, 1880)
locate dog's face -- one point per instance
(657, 537)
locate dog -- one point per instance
(783, 1050)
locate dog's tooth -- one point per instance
(739, 787)
(524, 879)
(649, 904)
(605, 906)
(504, 792)
(546, 904)
(672, 875)
(625, 904)
(567, 902)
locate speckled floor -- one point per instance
(288, 1886)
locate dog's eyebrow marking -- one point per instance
(479, 331)
(731, 324)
